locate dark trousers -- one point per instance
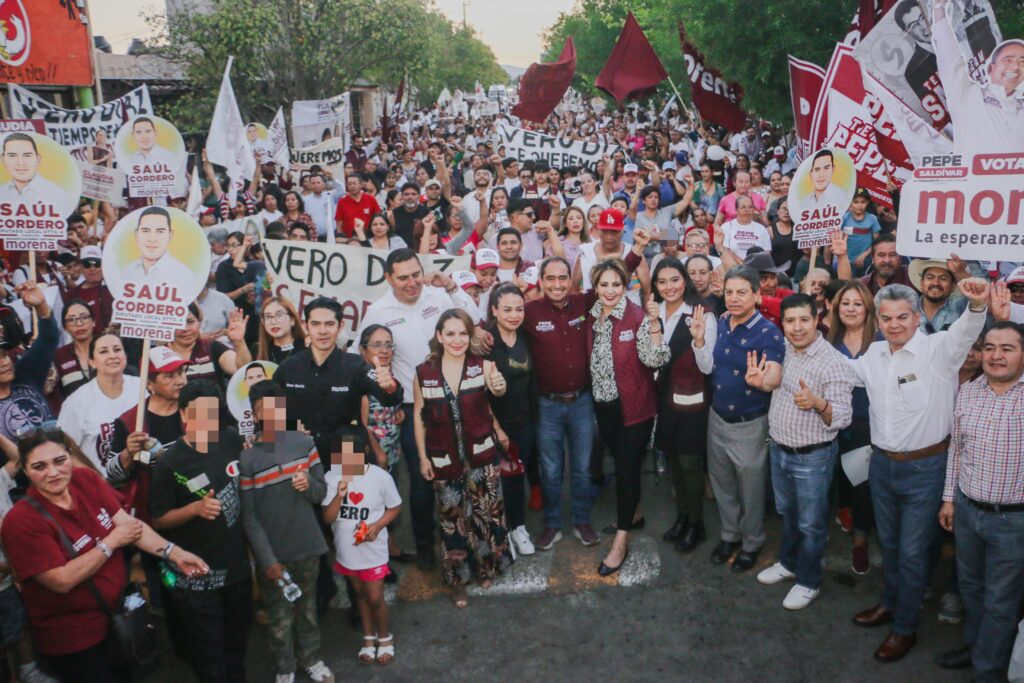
(858, 498)
(421, 491)
(628, 446)
(513, 489)
(90, 665)
(214, 629)
(683, 437)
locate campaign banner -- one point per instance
(972, 206)
(717, 100)
(39, 188)
(805, 82)
(238, 392)
(79, 129)
(277, 139)
(22, 126)
(329, 154)
(314, 121)
(900, 54)
(43, 42)
(819, 195)
(526, 145)
(155, 262)
(103, 183)
(152, 155)
(352, 275)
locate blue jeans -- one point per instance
(421, 491)
(556, 422)
(801, 484)
(990, 557)
(906, 497)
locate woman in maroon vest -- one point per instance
(683, 397)
(72, 359)
(625, 347)
(457, 439)
(208, 358)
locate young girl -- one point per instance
(361, 501)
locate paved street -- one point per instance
(664, 617)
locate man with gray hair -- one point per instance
(911, 380)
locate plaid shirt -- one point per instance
(826, 373)
(986, 453)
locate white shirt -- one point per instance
(740, 238)
(157, 155)
(911, 391)
(597, 200)
(833, 195)
(378, 494)
(705, 355)
(412, 326)
(39, 189)
(88, 415)
(167, 269)
(320, 208)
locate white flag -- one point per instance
(279, 139)
(226, 144)
(668, 106)
(195, 196)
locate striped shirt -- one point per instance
(826, 373)
(986, 452)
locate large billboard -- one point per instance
(44, 42)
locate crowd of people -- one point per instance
(657, 303)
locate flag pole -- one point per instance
(700, 123)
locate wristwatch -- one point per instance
(104, 548)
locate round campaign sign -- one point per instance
(155, 263)
(39, 188)
(238, 392)
(821, 193)
(259, 139)
(152, 155)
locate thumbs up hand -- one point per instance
(805, 399)
(653, 311)
(208, 507)
(383, 373)
(495, 380)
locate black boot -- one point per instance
(690, 539)
(677, 530)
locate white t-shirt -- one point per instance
(597, 200)
(366, 501)
(6, 484)
(740, 238)
(88, 416)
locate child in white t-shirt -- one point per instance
(361, 501)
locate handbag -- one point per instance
(510, 465)
(131, 639)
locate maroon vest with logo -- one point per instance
(682, 385)
(478, 439)
(634, 380)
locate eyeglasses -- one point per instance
(697, 245)
(529, 214)
(1016, 289)
(49, 428)
(381, 346)
(275, 317)
(76, 320)
(90, 264)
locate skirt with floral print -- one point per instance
(473, 530)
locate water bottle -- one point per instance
(291, 591)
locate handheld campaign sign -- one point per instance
(155, 263)
(238, 392)
(152, 155)
(821, 193)
(39, 189)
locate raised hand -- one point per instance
(957, 267)
(237, 322)
(975, 289)
(839, 247)
(999, 301)
(805, 399)
(383, 374)
(653, 310)
(495, 380)
(641, 237)
(697, 328)
(755, 370)
(717, 283)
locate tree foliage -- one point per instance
(748, 42)
(288, 50)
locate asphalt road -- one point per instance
(664, 617)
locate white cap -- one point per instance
(465, 279)
(530, 276)
(630, 168)
(90, 252)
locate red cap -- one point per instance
(612, 219)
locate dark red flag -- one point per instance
(542, 86)
(868, 14)
(633, 70)
(716, 99)
(805, 81)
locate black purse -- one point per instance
(131, 639)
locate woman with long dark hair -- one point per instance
(295, 210)
(281, 331)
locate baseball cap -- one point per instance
(432, 182)
(780, 151)
(668, 166)
(162, 359)
(1015, 277)
(485, 258)
(862, 192)
(530, 276)
(630, 168)
(612, 219)
(465, 279)
(90, 253)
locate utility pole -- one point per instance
(465, 4)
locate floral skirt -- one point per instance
(473, 530)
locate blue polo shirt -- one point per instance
(860, 233)
(732, 396)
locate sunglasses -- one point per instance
(90, 264)
(49, 428)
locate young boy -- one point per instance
(861, 226)
(361, 501)
(281, 480)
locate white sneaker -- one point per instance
(800, 596)
(285, 678)
(775, 574)
(319, 673)
(521, 540)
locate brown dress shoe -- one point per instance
(895, 647)
(876, 616)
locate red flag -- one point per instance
(868, 14)
(388, 123)
(633, 70)
(542, 86)
(716, 99)
(805, 81)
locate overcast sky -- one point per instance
(511, 27)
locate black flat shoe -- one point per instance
(677, 530)
(614, 528)
(744, 561)
(425, 558)
(403, 557)
(605, 570)
(723, 551)
(955, 659)
(690, 539)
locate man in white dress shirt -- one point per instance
(156, 265)
(21, 160)
(825, 193)
(911, 380)
(149, 154)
